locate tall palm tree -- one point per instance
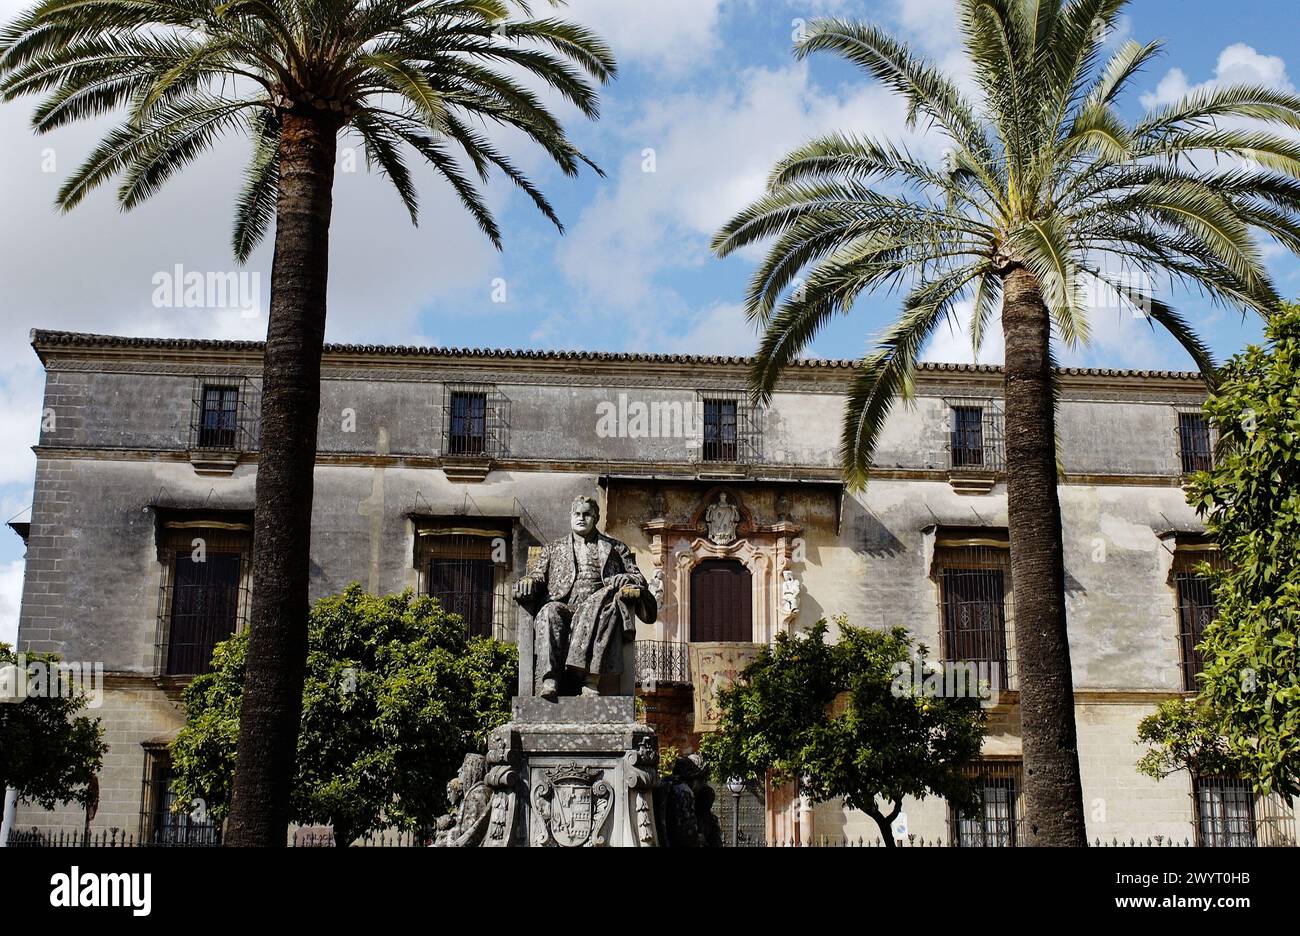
(422, 76)
(1045, 195)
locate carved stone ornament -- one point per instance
(641, 767)
(722, 520)
(570, 806)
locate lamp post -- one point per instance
(736, 786)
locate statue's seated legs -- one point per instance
(551, 630)
(550, 646)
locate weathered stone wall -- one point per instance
(115, 455)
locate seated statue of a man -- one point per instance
(585, 593)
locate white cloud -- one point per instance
(11, 596)
(719, 329)
(1238, 64)
(669, 34)
(711, 156)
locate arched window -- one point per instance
(721, 602)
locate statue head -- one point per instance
(583, 515)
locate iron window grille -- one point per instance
(475, 421)
(1230, 814)
(976, 437)
(1195, 448)
(662, 663)
(1001, 810)
(1196, 608)
(224, 415)
(160, 821)
(466, 571)
(204, 596)
(975, 611)
(731, 428)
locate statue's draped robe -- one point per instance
(581, 625)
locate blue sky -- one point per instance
(708, 90)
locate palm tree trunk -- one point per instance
(1053, 793)
(277, 648)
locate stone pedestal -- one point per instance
(578, 772)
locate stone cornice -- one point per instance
(185, 356)
(628, 471)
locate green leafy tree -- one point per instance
(428, 77)
(48, 752)
(848, 720)
(1248, 711)
(394, 697)
(1046, 203)
(1185, 735)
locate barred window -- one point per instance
(475, 420)
(468, 423)
(974, 591)
(1194, 442)
(465, 570)
(995, 824)
(1225, 813)
(224, 415)
(967, 437)
(204, 596)
(160, 822)
(975, 435)
(731, 430)
(1196, 608)
(720, 430)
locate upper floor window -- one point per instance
(465, 569)
(1194, 442)
(974, 596)
(975, 435)
(967, 437)
(468, 434)
(1196, 607)
(996, 822)
(204, 592)
(475, 420)
(223, 415)
(732, 429)
(720, 430)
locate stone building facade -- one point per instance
(440, 469)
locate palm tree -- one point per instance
(1044, 194)
(424, 76)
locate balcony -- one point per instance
(661, 663)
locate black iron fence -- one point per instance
(119, 838)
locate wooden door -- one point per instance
(721, 602)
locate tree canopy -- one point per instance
(1247, 717)
(48, 752)
(395, 695)
(848, 720)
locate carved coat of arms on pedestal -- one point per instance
(570, 805)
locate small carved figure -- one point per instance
(469, 797)
(790, 588)
(722, 520)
